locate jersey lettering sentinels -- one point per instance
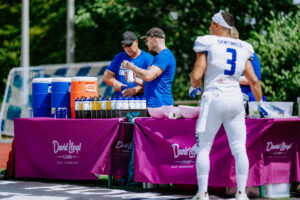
(226, 59)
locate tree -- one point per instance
(182, 21)
(47, 35)
(278, 49)
(10, 39)
(47, 32)
(100, 23)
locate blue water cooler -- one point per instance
(60, 95)
(41, 97)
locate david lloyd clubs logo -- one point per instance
(187, 151)
(121, 145)
(281, 146)
(68, 147)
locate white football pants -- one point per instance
(227, 109)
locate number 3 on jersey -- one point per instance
(231, 62)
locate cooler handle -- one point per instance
(49, 89)
(91, 89)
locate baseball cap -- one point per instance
(154, 32)
(128, 37)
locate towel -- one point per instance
(175, 115)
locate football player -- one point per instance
(221, 60)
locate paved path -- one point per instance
(37, 190)
(85, 190)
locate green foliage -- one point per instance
(278, 49)
(47, 32)
(182, 21)
(100, 23)
(10, 39)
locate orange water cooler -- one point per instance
(82, 86)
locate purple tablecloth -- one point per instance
(165, 152)
(119, 156)
(63, 148)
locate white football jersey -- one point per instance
(226, 59)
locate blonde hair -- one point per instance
(234, 33)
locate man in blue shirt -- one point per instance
(114, 75)
(244, 83)
(158, 78)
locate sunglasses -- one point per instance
(126, 45)
(146, 39)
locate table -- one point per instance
(70, 149)
(165, 152)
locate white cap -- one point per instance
(84, 78)
(61, 79)
(42, 80)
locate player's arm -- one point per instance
(147, 75)
(253, 81)
(133, 91)
(109, 79)
(199, 69)
(139, 82)
(243, 81)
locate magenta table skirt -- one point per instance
(165, 152)
(68, 148)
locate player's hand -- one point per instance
(129, 92)
(193, 92)
(264, 112)
(118, 86)
(126, 64)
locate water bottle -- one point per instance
(143, 103)
(99, 113)
(85, 108)
(53, 112)
(94, 107)
(108, 107)
(76, 108)
(89, 111)
(113, 103)
(59, 112)
(118, 106)
(130, 78)
(29, 112)
(113, 107)
(119, 103)
(103, 107)
(125, 104)
(137, 103)
(64, 113)
(131, 104)
(80, 113)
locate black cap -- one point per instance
(154, 32)
(128, 37)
